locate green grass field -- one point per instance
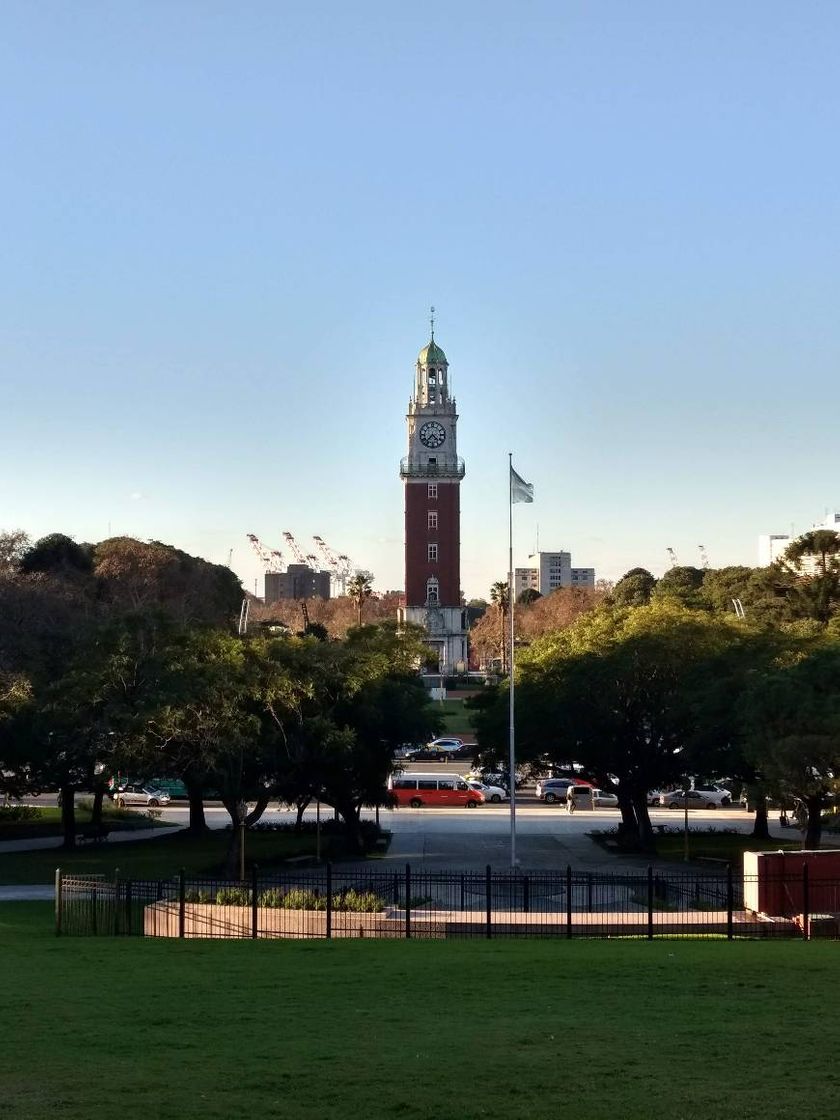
(719, 845)
(591, 1030)
(48, 822)
(157, 857)
(456, 719)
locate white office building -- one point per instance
(549, 571)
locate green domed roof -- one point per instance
(432, 355)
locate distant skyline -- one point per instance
(225, 224)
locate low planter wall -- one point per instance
(206, 919)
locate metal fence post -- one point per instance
(806, 904)
(329, 899)
(488, 895)
(568, 900)
(650, 902)
(463, 893)
(730, 901)
(589, 892)
(128, 884)
(94, 914)
(59, 902)
(408, 900)
(526, 894)
(116, 928)
(255, 912)
(182, 902)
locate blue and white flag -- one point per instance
(520, 490)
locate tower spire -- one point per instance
(432, 319)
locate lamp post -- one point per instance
(685, 821)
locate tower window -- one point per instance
(432, 491)
(432, 590)
(433, 552)
(433, 522)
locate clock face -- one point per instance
(432, 434)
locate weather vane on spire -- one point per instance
(433, 322)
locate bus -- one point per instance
(419, 790)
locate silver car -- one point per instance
(134, 794)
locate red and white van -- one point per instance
(418, 790)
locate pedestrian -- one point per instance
(570, 799)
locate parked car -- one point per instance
(713, 788)
(695, 799)
(554, 789)
(140, 795)
(603, 799)
(491, 793)
(654, 797)
(439, 750)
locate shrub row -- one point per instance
(15, 813)
(294, 898)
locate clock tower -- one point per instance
(432, 473)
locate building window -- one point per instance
(433, 552)
(432, 519)
(432, 493)
(432, 590)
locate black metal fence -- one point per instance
(330, 902)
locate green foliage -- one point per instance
(233, 896)
(14, 814)
(681, 585)
(297, 898)
(634, 589)
(57, 554)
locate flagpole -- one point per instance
(511, 598)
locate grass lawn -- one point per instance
(417, 1030)
(157, 857)
(719, 845)
(48, 822)
(456, 719)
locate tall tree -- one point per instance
(814, 561)
(634, 589)
(500, 598)
(791, 715)
(360, 589)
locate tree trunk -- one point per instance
(300, 809)
(761, 830)
(628, 830)
(234, 862)
(640, 807)
(351, 815)
(813, 828)
(195, 793)
(96, 808)
(258, 810)
(68, 817)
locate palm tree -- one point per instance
(814, 558)
(360, 588)
(500, 595)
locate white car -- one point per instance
(704, 798)
(602, 799)
(133, 794)
(491, 793)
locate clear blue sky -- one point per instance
(223, 224)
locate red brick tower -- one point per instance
(432, 474)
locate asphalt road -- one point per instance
(547, 836)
